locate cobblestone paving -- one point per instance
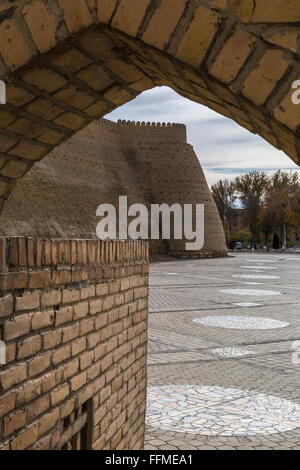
(211, 385)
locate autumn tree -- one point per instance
(251, 189)
(267, 223)
(224, 195)
(282, 202)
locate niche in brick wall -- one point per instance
(77, 428)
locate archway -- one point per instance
(64, 67)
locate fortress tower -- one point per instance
(150, 163)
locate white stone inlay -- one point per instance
(231, 351)
(255, 276)
(259, 267)
(250, 292)
(256, 271)
(252, 283)
(262, 260)
(241, 323)
(218, 411)
(246, 304)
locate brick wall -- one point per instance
(73, 316)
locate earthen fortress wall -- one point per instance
(148, 162)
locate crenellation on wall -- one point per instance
(141, 130)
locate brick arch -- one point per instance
(68, 63)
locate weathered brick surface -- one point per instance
(28, 301)
(241, 9)
(72, 343)
(78, 17)
(285, 39)
(163, 23)
(287, 113)
(130, 23)
(198, 37)
(18, 327)
(263, 79)
(105, 10)
(278, 11)
(233, 56)
(14, 49)
(42, 24)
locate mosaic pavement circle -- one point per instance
(219, 411)
(250, 292)
(241, 323)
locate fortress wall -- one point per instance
(174, 175)
(150, 163)
(60, 195)
(168, 170)
(73, 316)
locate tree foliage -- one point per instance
(251, 190)
(271, 204)
(225, 196)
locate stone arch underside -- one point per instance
(66, 64)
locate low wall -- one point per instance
(73, 318)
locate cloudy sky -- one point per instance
(224, 149)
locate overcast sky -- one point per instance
(224, 148)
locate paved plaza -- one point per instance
(222, 353)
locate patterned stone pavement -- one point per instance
(222, 365)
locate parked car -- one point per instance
(238, 245)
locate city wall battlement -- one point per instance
(173, 132)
